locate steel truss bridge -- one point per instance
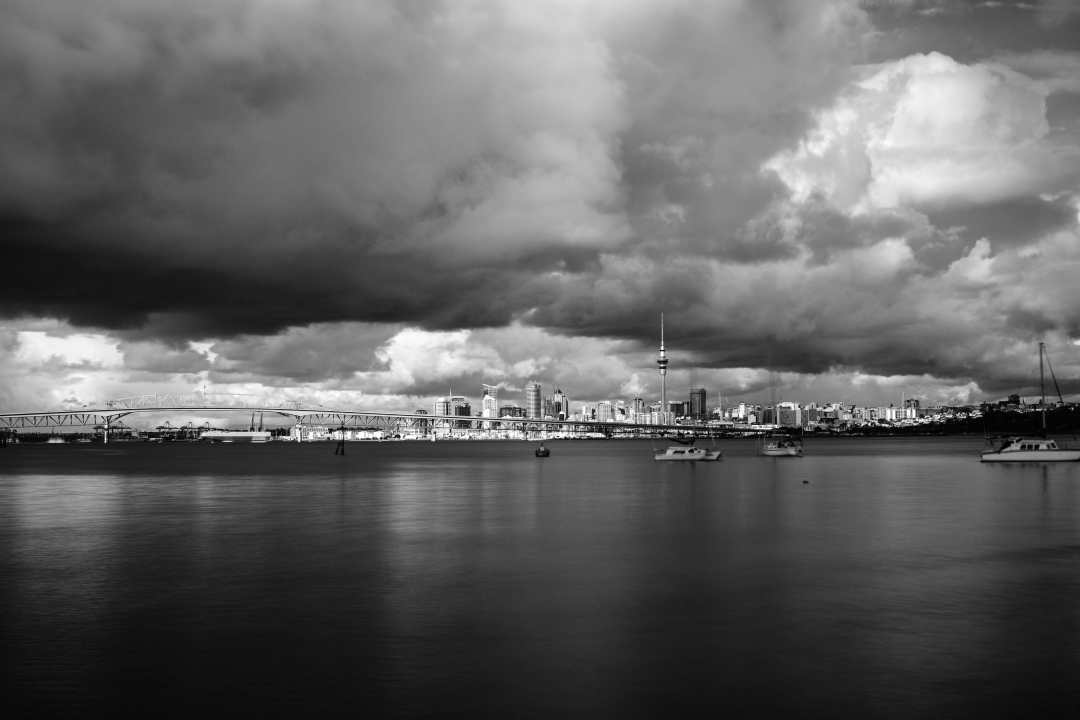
(109, 414)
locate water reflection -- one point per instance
(476, 579)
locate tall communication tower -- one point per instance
(661, 363)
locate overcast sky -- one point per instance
(364, 204)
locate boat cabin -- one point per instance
(1027, 444)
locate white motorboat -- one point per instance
(235, 436)
(1030, 449)
(781, 446)
(1033, 449)
(687, 453)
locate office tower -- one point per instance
(604, 411)
(511, 411)
(789, 414)
(697, 403)
(562, 405)
(533, 408)
(489, 401)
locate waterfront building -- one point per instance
(788, 414)
(605, 411)
(489, 401)
(533, 407)
(460, 406)
(511, 411)
(697, 408)
(418, 426)
(561, 405)
(740, 411)
(621, 410)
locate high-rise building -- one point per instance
(533, 407)
(697, 403)
(489, 401)
(604, 411)
(459, 406)
(788, 414)
(561, 405)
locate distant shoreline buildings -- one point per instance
(535, 405)
(695, 410)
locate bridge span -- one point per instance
(110, 413)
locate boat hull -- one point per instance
(1032, 456)
(782, 452)
(684, 454)
(237, 436)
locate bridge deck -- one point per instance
(108, 416)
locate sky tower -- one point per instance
(661, 362)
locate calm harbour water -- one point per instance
(872, 578)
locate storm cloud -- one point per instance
(390, 198)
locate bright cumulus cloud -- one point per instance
(79, 350)
(928, 130)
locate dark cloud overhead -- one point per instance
(250, 167)
(812, 186)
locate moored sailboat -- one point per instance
(1033, 449)
(781, 445)
(686, 451)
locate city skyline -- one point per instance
(363, 204)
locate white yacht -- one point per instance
(1033, 449)
(687, 453)
(781, 446)
(235, 436)
(1030, 449)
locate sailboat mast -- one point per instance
(1042, 386)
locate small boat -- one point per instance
(1023, 449)
(235, 436)
(782, 445)
(1033, 449)
(687, 453)
(542, 451)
